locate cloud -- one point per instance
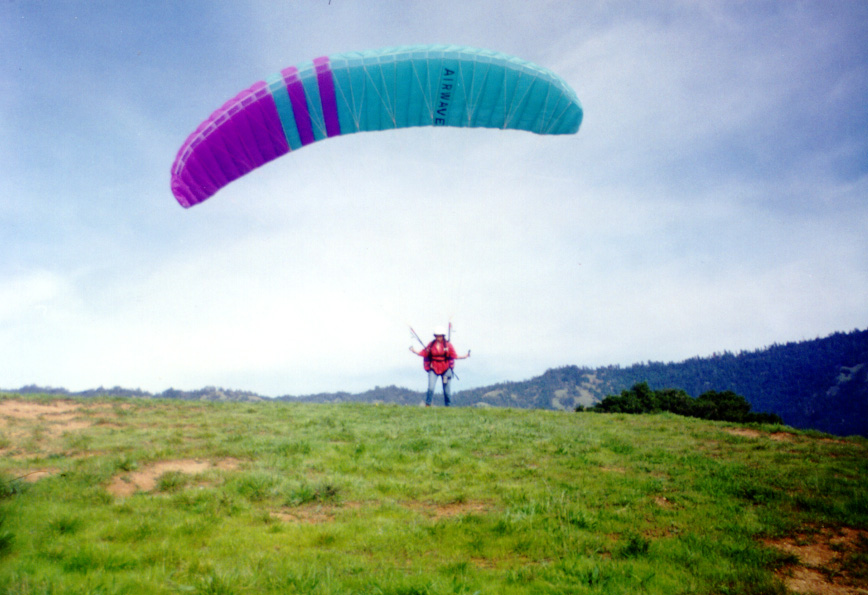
(714, 198)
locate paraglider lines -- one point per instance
(353, 107)
(298, 98)
(279, 92)
(390, 112)
(515, 105)
(423, 90)
(326, 83)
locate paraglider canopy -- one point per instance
(367, 91)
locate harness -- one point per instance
(442, 356)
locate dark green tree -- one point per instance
(719, 406)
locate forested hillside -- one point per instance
(820, 384)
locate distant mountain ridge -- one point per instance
(820, 384)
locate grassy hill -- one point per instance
(170, 496)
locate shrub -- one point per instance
(724, 406)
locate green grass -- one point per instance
(329, 499)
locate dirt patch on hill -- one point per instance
(57, 417)
(322, 513)
(778, 436)
(146, 479)
(307, 515)
(54, 418)
(58, 411)
(30, 410)
(312, 514)
(37, 424)
(662, 502)
(751, 433)
(34, 475)
(830, 562)
(449, 510)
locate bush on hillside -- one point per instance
(712, 405)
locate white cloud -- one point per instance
(29, 294)
(708, 202)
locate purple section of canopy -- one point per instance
(326, 83)
(299, 104)
(239, 137)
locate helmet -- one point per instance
(439, 331)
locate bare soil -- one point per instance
(55, 419)
(145, 480)
(323, 513)
(777, 436)
(751, 433)
(42, 422)
(825, 558)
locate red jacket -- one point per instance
(439, 356)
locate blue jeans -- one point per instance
(447, 386)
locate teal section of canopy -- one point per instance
(282, 103)
(450, 86)
(307, 74)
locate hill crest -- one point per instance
(819, 384)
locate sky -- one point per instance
(715, 198)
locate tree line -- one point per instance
(712, 405)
